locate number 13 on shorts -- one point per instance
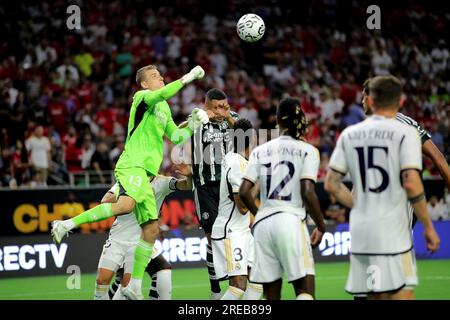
(136, 181)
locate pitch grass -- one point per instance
(434, 283)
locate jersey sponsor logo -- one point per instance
(216, 137)
(28, 257)
(337, 243)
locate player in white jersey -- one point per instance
(286, 168)
(126, 232)
(429, 149)
(232, 241)
(383, 157)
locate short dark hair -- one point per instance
(366, 83)
(385, 91)
(290, 116)
(215, 94)
(239, 136)
(141, 73)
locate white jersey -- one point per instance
(229, 219)
(375, 152)
(279, 165)
(126, 227)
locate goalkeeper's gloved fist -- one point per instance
(194, 74)
(197, 118)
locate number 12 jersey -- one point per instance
(279, 165)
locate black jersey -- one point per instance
(210, 143)
(424, 135)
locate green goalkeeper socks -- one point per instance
(98, 213)
(142, 254)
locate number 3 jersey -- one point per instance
(375, 152)
(229, 219)
(279, 165)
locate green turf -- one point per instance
(434, 283)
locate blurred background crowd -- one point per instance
(65, 94)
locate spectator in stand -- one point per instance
(100, 162)
(20, 163)
(381, 60)
(249, 112)
(437, 209)
(68, 72)
(437, 137)
(40, 152)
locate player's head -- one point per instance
(215, 99)
(148, 77)
(242, 135)
(365, 97)
(291, 119)
(385, 93)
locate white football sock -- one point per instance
(164, 284)
(101, 292)
(233, 293)
(135, 284)
(254, 291)
(304, 296)
(69, 224)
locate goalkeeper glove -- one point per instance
(197, 118)
(194, 74)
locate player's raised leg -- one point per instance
(124, 204)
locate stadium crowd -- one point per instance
(65, 94)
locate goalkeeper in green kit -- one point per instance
(150, 119)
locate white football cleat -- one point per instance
(129, 293)
(58, 231)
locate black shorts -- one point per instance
(207, 199)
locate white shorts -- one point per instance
(116, 254)
(379, 274)
(233, 255)
(281, 244)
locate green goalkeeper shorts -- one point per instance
(136, 184)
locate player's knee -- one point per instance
(239, 282)
(123, 205)
(126, 279)
(150, 229)
(103, 280)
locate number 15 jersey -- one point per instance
(375, 152)
(279, 165)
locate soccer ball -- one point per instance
(250, 27)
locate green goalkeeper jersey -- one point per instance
(151, 119)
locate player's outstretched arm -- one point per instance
(245, 193)
(335, 186)
(168, 91)
(179, 134)
(416, 196)
(430, 150)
